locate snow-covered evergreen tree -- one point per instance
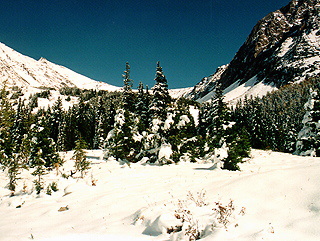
(121, 140)
(213, 120)
(39, 171)
(161, 99)
(142, 108)
(6, 123)
(159, 115)
(127, 95)
(55, 119)
(99, 135)
(62, 135)
(308, 143)
(182, 132)
(81, 163)
(42, 147)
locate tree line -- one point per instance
(151, 127)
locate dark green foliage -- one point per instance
(128, 98)
(40, 170)
(81, 163)
(213, 119)
(42, 147)
(142, 108)
(6, 124)
(161, 99)
(274, 120)
(238, 147)
(308, 143)
(181, 134)
(52, 187)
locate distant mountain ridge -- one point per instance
(25, 72)
(282, 48)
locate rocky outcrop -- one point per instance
(282, 48)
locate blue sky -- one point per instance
(96, 37)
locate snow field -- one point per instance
(276, 196)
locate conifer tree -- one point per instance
(62, 135)
(6, 123)
(40, 170)
(159, 109)
(122, 143)
(161, 99)
(55, 119)
(238, 147)
(81, 163)
(142, 108)
(308, 143)
(182, 133)
(214, 117)
(127, 95)
(42, 147)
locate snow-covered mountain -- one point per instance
(27, 73)
(283, 47)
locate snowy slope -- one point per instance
(27, 73)
(276, 196)
(282, 48)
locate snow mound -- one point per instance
(276, 196)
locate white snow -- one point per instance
(165, 152)
(276, 196)
(177, 93)
(184, 119)
(195, 114)
(25, 72)
(238, 91)
(285, 47)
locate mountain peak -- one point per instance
(282, 48)
(23, 71)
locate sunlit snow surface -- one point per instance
(280, 194)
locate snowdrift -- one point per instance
(276, 196)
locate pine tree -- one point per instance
(121, 139)
(6, 123)
(81, 163)
(40, 170)
(42, 146)
(308, 143)
(161, 99)
(127, 95)
(238, 147)
(55, 119)
(160, 105)
(62, 134)
(182, 133)
(100, 122)
(142, 108)
(214, 117)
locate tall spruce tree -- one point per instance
(42, 147)
(214, 117)
(6, 123)
(308, 143)
(121, 141)
(159, 109)
(142, 108)
(81, 163)
(161, 99)
(127, 95)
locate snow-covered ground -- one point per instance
(276, 196)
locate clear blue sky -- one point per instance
(190, 38)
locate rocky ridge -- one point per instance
(282, 48)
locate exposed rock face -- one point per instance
(283, 47)
(206, 84)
